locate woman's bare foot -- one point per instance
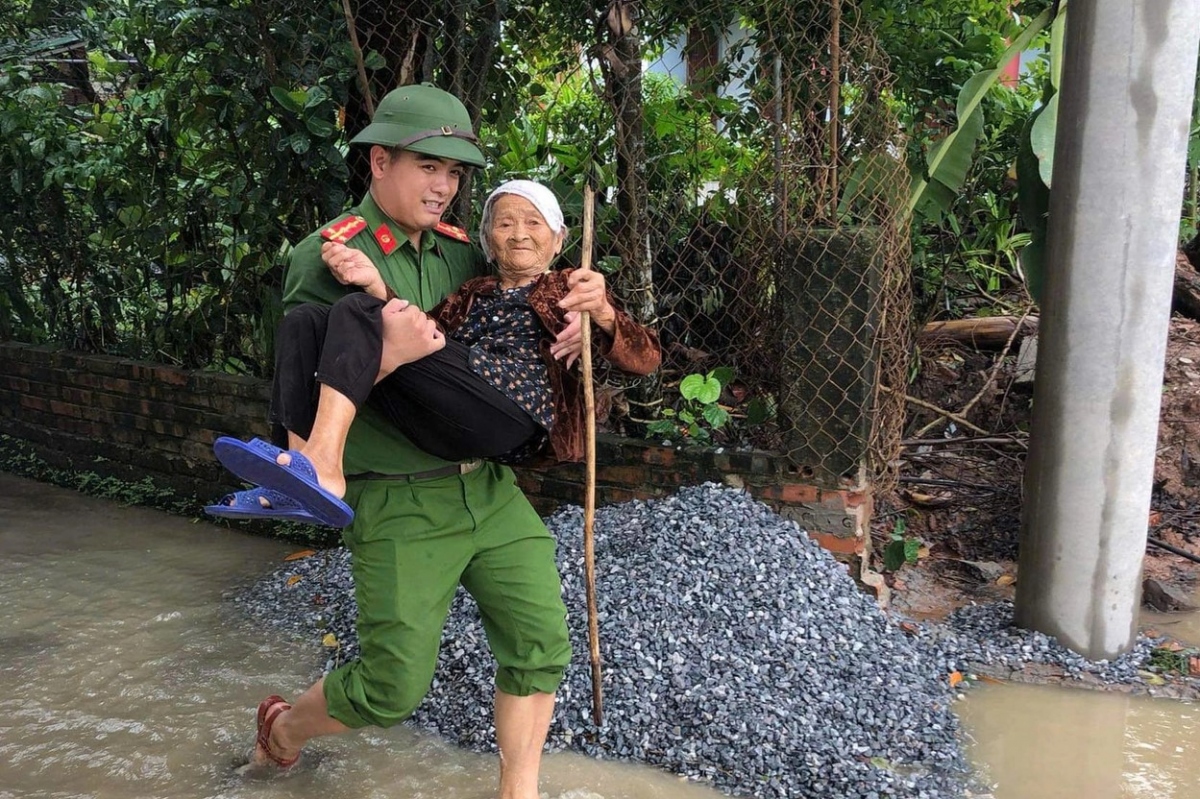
(329, 475)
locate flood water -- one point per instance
(125, 672)
(1038, 742)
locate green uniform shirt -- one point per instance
(423, 278)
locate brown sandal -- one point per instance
(269, 710)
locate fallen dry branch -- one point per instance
(983, 332)
(941, 483)
(954, 417)
(1017, 439)
(991, 379)
(1183, 553)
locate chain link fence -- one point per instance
(749, 166)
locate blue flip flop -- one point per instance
(254, 462)
(246, 505)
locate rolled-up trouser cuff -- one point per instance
(338, 705)
(518, 682)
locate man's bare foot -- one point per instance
(329, 475)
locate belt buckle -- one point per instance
(469, 466)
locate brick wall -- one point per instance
(131, 419)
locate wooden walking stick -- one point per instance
(589, 496)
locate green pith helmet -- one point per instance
(424, 119)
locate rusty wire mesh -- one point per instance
(748, 163)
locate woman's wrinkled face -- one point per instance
(521, 241)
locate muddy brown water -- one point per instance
(1038, 742)
(125, 672)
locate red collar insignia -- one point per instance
(387, 240)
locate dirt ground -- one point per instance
(959, 491)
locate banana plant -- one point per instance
(948, 161)
(1035, 165)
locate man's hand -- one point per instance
(408, 335)
(352, 267)
(587, 294)
(569, 342)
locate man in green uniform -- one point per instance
(422, 525)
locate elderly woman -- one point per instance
(489, 387)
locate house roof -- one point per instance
(40, 46)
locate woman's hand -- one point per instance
(587, 293)
(568, 345)
(352, 267)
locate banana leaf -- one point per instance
(947, 156)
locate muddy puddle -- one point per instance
(1037, 742)
(125, 672)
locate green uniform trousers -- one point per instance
(412, 543)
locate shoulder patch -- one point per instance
(344, 229)
(453, 232)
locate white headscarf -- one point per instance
(542, 198)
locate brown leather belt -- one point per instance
(431, 474)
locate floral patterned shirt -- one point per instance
(504, 335)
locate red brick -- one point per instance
(839, 545)
(14, 383)
(659, 456)
(64, 409)
(856, 499)
(799, 493)
(117, 385)
(611, 496)
(767, 491)
(170, 376)
(624, 475)
(35, 403)
(77, 396)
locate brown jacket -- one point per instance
(632, 348)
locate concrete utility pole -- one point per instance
(1127, 86)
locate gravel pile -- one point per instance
(984, 635)
(735, 650)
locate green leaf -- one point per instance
(1058, 41)
(299, 143)
(716, 416)
(969, 103)
(700, 388)
(1041, 138)
(1033, 203)
(315, 96)
(873, 179)
(723, 375)
(893, 556)
(912, 548)
(758, 411)
(321, 128)
(661, 427)
(291, 101)
(950, 159)
(374, 60)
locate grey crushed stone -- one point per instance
(735, 650)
